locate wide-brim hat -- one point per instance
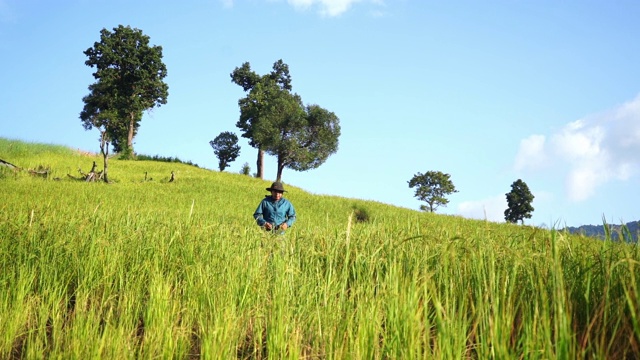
(276, 186)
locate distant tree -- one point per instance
(130, 73)
(252, 107)
(432, 187)
(226, 148)
(519, 201)
(246, 169)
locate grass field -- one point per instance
(141, 269)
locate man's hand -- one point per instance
(268, 226)
(284, 226)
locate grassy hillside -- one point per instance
(148, 269)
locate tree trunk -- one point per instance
(260, 164)
(280, 169)
(132, 122)
(9, 165)
(104, 171)
(104, 149)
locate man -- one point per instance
(275, 212)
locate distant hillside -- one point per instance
(629, 231)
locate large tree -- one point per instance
(306, 139)
(131, 75)
(276, 122)
(432, 187)
(226, 148)
(519, 201)
(259, 94)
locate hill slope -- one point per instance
(146, 268)
(238, 193)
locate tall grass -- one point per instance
(152, 269)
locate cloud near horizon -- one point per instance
(594, 150)
(491, 209)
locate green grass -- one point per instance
(152, 269)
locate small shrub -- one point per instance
(169, 159)
(127, 154)
(361, 214)
(246, 169)
(4, 172)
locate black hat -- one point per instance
(276, 186)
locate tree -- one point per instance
(130, 73)
(226, 148)
(519, 201)
(306, 142)
(276, 121)
(432, 187)
(252, 107)
(246, 169)
(99, 112)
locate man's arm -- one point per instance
(258, 215)
(291, 215)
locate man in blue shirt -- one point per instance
(275, 212)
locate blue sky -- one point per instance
(486, 91)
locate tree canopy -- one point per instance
(226, 148)
(519, 201)
(129, 80)
(432, 187)
(308, 145)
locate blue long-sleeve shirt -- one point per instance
(275, 212)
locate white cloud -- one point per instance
(329, 7)
(625, 131)
(582, 181)
(579, 140)
(491, 209)
(594, 151)
(579, 145)
(227, 3)
(302, 4)
(531, 154)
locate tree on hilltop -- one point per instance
(432, 187)
(308, 142)
(226, 148)
(129, 80)
(252, 107)
(519, 201)
(276, 122)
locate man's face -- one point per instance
(277, 195)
